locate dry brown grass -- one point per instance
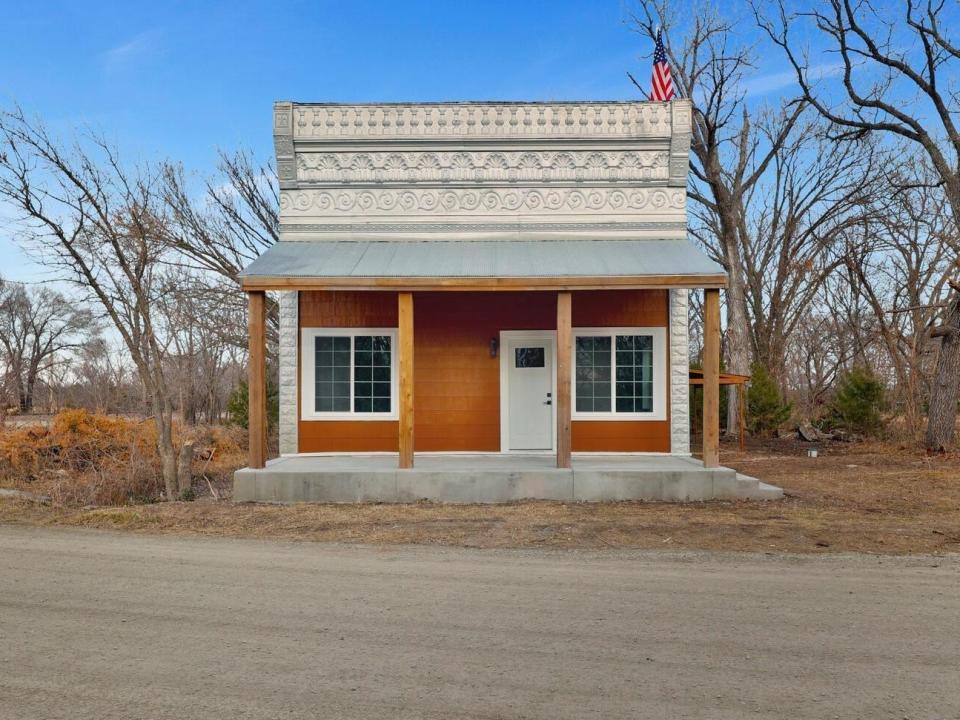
(861, 498)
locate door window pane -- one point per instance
(592, 360)
(529, 357)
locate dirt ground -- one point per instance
(108, 625)
(870, 498)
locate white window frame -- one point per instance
(659, 335)
(308, 373)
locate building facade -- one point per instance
(504, 279)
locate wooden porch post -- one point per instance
(564, 350)
(257, 378)
(711, 378)
(405, 395)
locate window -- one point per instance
(348, 374)
(634, 391)
(593, 374)
(529, 357)
(619, 373)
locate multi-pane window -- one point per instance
(332, 374)
(351, 373)
(614, 373)
(634, 373)
(371, 373)
(593, 374)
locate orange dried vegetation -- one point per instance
(83, 458)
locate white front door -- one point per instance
(529, 392)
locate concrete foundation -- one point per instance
(492, 479)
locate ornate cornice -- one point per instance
(489, 201)
(483, 227)
(480, 120)
(482, 167)
(470, 164)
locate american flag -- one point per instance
(662, 89)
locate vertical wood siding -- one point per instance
(457, 383)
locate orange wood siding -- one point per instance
(622, 308)
(347, 309)
(349, 435)
(457, 383)
(621, 436)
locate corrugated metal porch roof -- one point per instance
(481, 259)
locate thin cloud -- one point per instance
(765, 84)
(137, 47)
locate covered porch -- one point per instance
(546, 284)
(560, 336)
(556, 278)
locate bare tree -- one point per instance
(899, 262)
(206, 336)
(37, 326)
(898, 79)
(99, 225)
(234, 220)
(798, 218)
(820, 348)
(730, 155)
(102, 381)
(225, 227)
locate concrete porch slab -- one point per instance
(492, 479)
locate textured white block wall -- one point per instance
(679, 373)
(289, 304)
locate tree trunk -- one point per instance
(185, 468)
(945, 388)
(27, 401)
(738, 337)
(22, 402)
(163, 417)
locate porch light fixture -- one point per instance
(494, 346)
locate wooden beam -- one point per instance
(257, 379)
(409, 284)
(405, 394)
(564, 355)
(711, 378)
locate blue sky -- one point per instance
(179, 79)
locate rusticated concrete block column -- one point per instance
(679, 372)
(289, 307)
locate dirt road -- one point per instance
(96, 625)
